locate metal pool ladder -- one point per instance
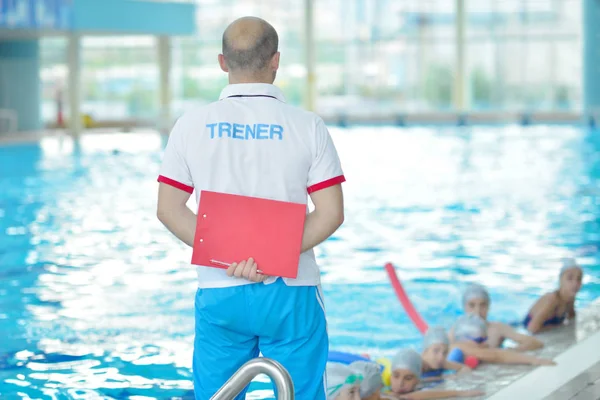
(242, 377)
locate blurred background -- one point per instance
(374, 60)
(467, 134)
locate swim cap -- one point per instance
(372, 381)
(435, 335)
(339, 376)
(567, 264)
(408, 359)
(475, 291)
(469, 326)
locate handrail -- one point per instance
(242, 377)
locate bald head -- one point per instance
(249, 44)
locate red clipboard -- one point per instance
(231, 228)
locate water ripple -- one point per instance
(96, 300)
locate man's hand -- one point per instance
(246, 269)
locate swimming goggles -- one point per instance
(350, 380)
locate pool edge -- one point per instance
(543, 382)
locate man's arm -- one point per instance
(173, 212)
(525, 342)
(327, 216)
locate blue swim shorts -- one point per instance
(285, 323)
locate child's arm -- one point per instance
(440, 394)
(432, 379)
(504, 356)
(546, 307)
(571, 310)
(526, 342)
(458, 367)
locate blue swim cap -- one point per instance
(468, 327)
(408, 359)
(340, 376)
(372, 381)
(435, 335)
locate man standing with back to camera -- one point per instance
(240, 312)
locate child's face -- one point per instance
(435, 355)
(404, 381)
(349, 393)
(570, 282)
(478, 307)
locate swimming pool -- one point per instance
(96, 296)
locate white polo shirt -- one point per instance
(252, 143)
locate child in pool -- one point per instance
(470, 336)
(554, 308)
(406, 375)
(372, 382)
(342, 382)
(435, 353)
(476, 300)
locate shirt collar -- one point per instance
(252, 89)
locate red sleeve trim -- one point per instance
(325, 184)
(175, 184)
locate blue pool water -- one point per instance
(96, 296)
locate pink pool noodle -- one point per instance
(402, 296)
